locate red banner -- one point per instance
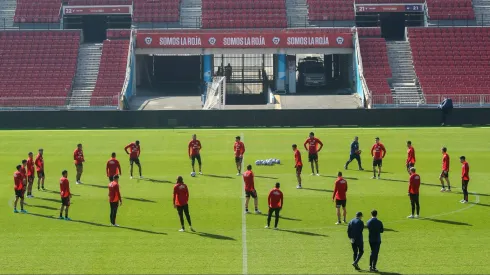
(244, 40)
(77, 10)
(380, 8)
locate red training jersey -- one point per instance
(181, 194)
(340, 191)
(297, 158)
(39, 163)
(64, 187)
(312, 145)
(445, 162)
(378, 151)
(78, 156)
(23, 172)
(135, 150)
(113, 167)
(239, 149)
(414, 184)
(30, 167)
(114, 194)
(18, 181)
(465, 171)
(275, 198)
(411, 155)
(248, 179)
(194, 147)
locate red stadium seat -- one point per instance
(40, 11)
(148, 11)
(376, 68)
(327, 10)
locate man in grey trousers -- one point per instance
(375, 227)
(354, 232)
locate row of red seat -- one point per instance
(117, 33)
(375, 65)
(39, 11)
(389, 1)
(99, 2)
(219, 24)
(271, 4)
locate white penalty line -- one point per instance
(244, 225)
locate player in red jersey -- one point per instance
(248, 179)
(24, 175)
(313, 151)
(18, 182)
(194, 150)
(410, 156)
(339, 196)
(115, 199)
(65, 195)
(378, 152)
(180, 200)
(445, 171)
(298, 165)
(413, 192)
(30, 174)
(40, 169)
(79, 159)
(134, 155)
(465, 178)
(276, 202)
(113, 167)
(239, 149)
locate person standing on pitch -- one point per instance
(413, 192)
(354, 232)
(180, 200)
(276, 202)
(65, 195)
(134, 156)
(378, 152)
(298, 165)
(115, 199)
(410, 156)
(239, 150)
(445, 171)
(465, 178)
(18, 189)
(79, 160)
(248, 179)
(355, 154)
(375, 227)
(313, 151)
(339, 196)
(194, 150)
(40, 170)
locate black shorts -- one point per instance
(377, 162)
(111, 178)
(134, 160)
(79, 166)
(19, 193)
(339, 203)
(40, 174)
(252, 194)
(312, 157)
(465, 182)
(444, 174)
(354, 157)
(196, 157)
(65, 201)
(30, 178)
(410, 165)
(414, 197)
(299, 168)
(238, 159)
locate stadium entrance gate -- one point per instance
(253, 62)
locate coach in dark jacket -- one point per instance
(446, 108)
(375, 227)
(354, 232)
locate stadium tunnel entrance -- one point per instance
(392, 23)
(95, 27)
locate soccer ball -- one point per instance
(278, 161)
(193, 174)
(258, 162)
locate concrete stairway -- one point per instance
(88, 64)
(482, 12)
(190, 13)
(297, 13)
(7, 12)
(404, 77)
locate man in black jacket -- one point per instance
(354, 232)
(446, 108)
(375, 227)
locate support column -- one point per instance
(291, 74)
(207, 71)
(281, 71)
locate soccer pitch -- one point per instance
(450, 238)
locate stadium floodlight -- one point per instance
(215, 94)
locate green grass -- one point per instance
(454, 239)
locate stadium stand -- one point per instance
(376, 66)
(99, 2)
(389, 1)
(118, 34)
(112, 72)
(244, 14)
(450, 9)
(369, 32)
(451, 61)
(155, 11)
(328, 10)
(37, 11)
(37, 67)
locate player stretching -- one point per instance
(18, 180)
(115, 199)
(239, 149)
(113, 167)
(180, 199)
(410, 156)
(413, 192)
(134, 155)
(340, 197)
(248, 179)
(298, 165)
(79, 160)
(276, 202)
(65, 195)
(465, 178)
(30, 174)
(445, 171)
(40, 169)
(313, 151)
(355, 153)
(378, 152)
(194, 150)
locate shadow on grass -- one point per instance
(406, 181)
(217, 176)
(139, 199)
(390, 230)
(57, 193)
(213, 236)
(379, 272)
(370, 171)
(334, 177)
(318, 190)
(42, 206)
(155, 180)
(266, 177)
(447, 222)
(48, 199)
(481, 204)
(96, 186)
(476, 194)
(283, 218)
(306, 233)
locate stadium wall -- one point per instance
(240, 118)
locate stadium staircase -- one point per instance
(190, 13)
(297, 13)
(482, 12)
(7, 13)
(406, 90)
(88, 64)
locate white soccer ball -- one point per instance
(278, 161)
(258, 162)
(193, 174)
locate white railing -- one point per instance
(367, 93)
(129, 71)
(467, 100)
(61, 103)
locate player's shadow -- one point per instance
(48, 199)
(94, 185)
(139, 199)
(481, 204)
(447, 222)
(317, 189)
(57, 193)
(370, 171)
(334, 177)
(213, 236)
(390, 230)
(156, 180)
(379, 272)
(42, 206)
(283, 218)
(306, 233)
(406, 181)
(266, 177)
(218, 176)
(476, 194)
